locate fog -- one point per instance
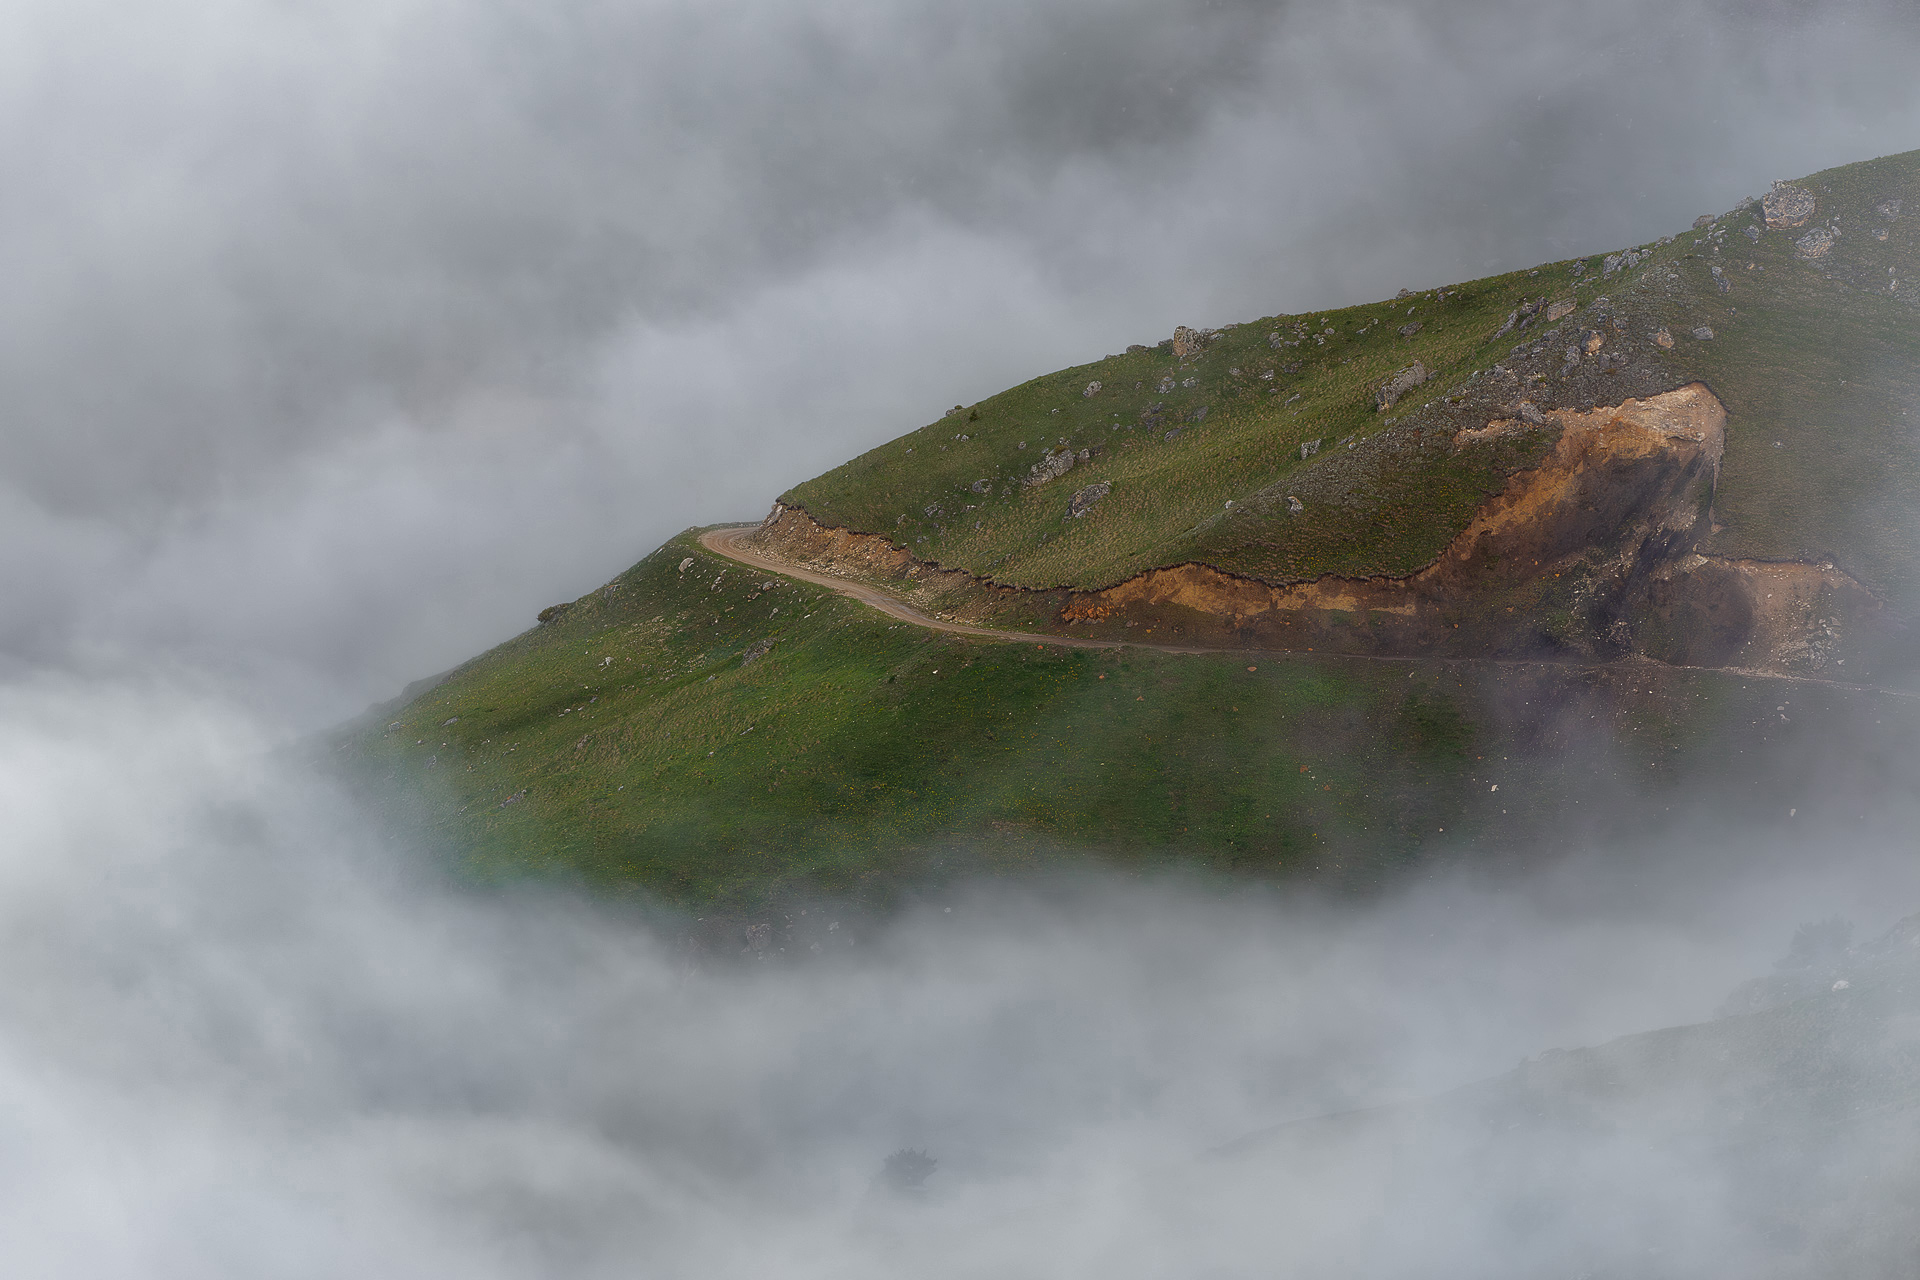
(339, 340)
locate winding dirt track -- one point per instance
(730, 542)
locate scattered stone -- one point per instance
(1531, 415)
(1233, 373)
(757, 650)
(1752, 233)
(981, 486)
(1399, 384)
(1172, 435)
(1592, 340)
(1083, 500)
(1612, 264)
(1721, 282)
(1403, 295)
(1558, 311)
(1513, 318)
(1137, 350)
(759, 937)
(1190, 382)
(949, 413)
(1309, 448)
(1408, 330)
(933, 511)
(1663, 339)
(1093, 389)
(1704, 220)
(1703, 334)
(1050, 467)
(686, 564)
(1198, 415)
(1787, 206)
(1888, 209)
(1294, 505)
(552, 611)
(1814, 245)
(1188, 343)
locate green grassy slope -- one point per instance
(1818, 355)
(859, 755)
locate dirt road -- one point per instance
(731, 543)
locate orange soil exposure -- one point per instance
(1587, 556)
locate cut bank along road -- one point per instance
(731, 543)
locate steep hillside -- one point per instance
(1362, 445)
(1599, 541)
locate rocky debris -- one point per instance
(1513, 318)
(956, 409)
(1559, 311)
(1050, 467)
(981, 486)
(1083, 499)
(1787, 206)
(1704, 220)
(1399, 384)
(757, 650)
(1408, 330)
(1093, 389)
(1625, 261)
(1188, 343)
(933, 511)
(1171, 436)
(1888, 209)
(1703, 334)
(1153, 415)
(1592, 340)
(1663, 339)
(1190, 383)
(1531, 415)
(1403, 295)
(1814, 245)
(1294, 505)
(759, 937)
(1752, 233)
(1198, 415)
(1309, 447)
(1166, 385)
(552, 611)
(686, 564)
(1137, 350)
(1720, 281)
(1570, 361)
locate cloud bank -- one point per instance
(338, 343)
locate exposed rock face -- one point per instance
(1557, 562)
(1787, 206)
(1398, 385)
(1082, 501)
(1588, 555)
(1051, 467)
(1814, 245)
(1188, 343)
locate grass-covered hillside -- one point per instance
(753, 739)
(718, 735)
(1816, 357)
